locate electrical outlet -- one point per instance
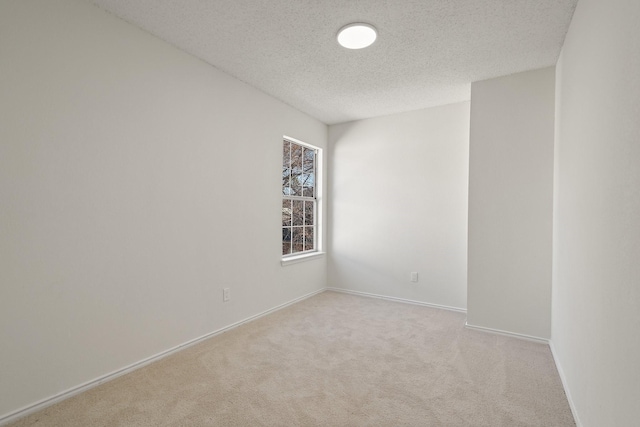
(414, 276)
(225, 295)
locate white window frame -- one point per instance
(318, 217)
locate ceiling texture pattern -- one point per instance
(427, 53)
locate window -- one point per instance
(299, 198)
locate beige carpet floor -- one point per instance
(334, 360)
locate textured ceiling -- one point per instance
(427, 53)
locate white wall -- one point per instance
(135, 183)
(510, 203)
(398, 187)
(596, 277)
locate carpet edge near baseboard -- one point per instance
(565, 385)
(73, 391)
(396, 299)
(507, 333)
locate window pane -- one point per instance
(286, 213)
(296, 170)
(309, 160)
(308, 185)
(286, 167)
(308, 238)
(296, 157)
(309, 169)
(296, 185)
(286, 240)
(309, 213)
(298, 212)
(297, 237)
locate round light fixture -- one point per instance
(357, 35)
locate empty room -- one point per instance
(319, 213)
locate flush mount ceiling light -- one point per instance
(357, 35)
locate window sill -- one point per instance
(300, 258)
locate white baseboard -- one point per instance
(549, 342)
(41, 404)
(404, 300)
(507, 333)
(563, 378)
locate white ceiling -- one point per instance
(427, 53)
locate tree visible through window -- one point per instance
(299, 198)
